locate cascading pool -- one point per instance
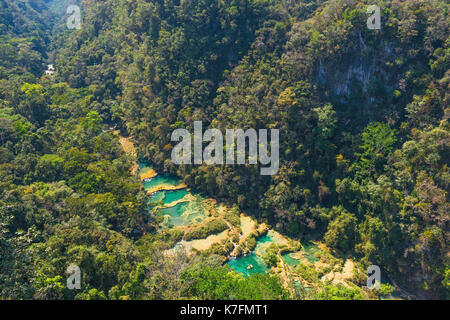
(242, 263)
(287, 257)
(181, 214)
(171, 196)
(310, 249)
(167, 197)
(160, 180)
(192, 212)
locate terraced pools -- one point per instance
(243, 263)
(253, 263)
(161, 180)
(310, 249)
(167, 197)
(192, 211)
(287, 257)
(176, 195)
(181, 214)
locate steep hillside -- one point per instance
(350, 103)
(24, 34)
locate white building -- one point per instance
(50, 70)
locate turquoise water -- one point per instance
(310, 249)
(263, 242)
(171, 196)
(175, 213)
(158, 196)
(265, 238)
(168, 197)
(161, 179)
(184, 214)
(241, 264)
(289, 260)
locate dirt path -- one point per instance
(129, 149)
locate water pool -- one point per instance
(287, 257)
(241, 264)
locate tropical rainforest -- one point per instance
(364, 144)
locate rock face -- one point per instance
(355, 73)
(337, 277)
(150, 174)
(166, 187)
